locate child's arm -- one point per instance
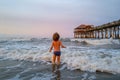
(62, 45)
(51, 47)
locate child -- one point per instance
(56, 44)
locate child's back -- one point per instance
(56, 44)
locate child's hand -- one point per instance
(49, 50)
(63, 46)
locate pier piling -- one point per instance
(108, 30)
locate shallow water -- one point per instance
(27, 70)
(29, 59)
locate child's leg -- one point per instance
(53, 67)
(58, 60)
(53, 59)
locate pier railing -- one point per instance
(108, 30)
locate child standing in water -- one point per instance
(56, 45)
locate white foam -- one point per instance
(15, 78)
(99, 41)
(92, 60)
(86, 76)
(75, 57)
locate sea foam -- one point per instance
(85, 58)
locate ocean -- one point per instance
(24, 58)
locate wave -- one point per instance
(92, 60)
(85, 58)
(74, 57)
(65, 39)
(24, 40)
(98, 41)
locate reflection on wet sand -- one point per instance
(56, 72)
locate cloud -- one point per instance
(63, 15)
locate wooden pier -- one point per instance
(108, 30)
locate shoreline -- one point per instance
(19, 70)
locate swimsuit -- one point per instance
(57, 53)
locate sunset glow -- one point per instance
(44, 17)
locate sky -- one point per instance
(44, 17)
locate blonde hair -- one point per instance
(56, 36)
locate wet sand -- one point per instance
(28, 70)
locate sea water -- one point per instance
(24, 55)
